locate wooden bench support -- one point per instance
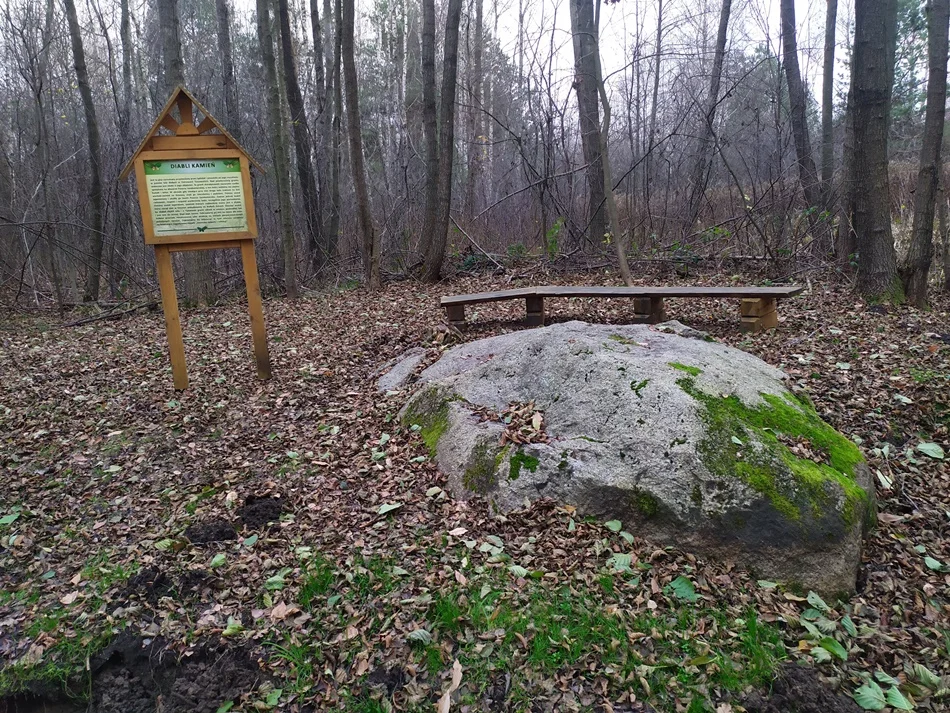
(534, 305)
(758, 303)
(456, 315)
(759, 314)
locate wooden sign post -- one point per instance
(194, 185)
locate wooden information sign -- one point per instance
(194, 184)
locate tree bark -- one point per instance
(585, 83)
(475, 146)
(916, 268)
(281, 168)
(370, 243)
(619, 238)
(703, 160)
(430, 128)
(432, 268)
(875, 40)
(223, 13)
(172, 65)
(91, 293)
(302, 147)
(807, 172)
(827, 104)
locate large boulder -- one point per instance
(686, 441)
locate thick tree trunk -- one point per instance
(223, 12)
(827, 104)
(847, 245)
(370, 242)
(91, 293)
(432, 268)
(302, 147)
(875, 40)
(708, 129)
(585, 83)
(943, 223)
(916, 268)
(281, 168)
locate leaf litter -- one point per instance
(110, 475)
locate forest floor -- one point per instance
(248, 545)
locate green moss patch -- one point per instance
(431, 413)
(639, 386)
(521, 460)
(691, 370)
(728, 451)
(482, 475)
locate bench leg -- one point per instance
(759, 314)
(649, 309)
(657, 310)
(456, 315)
(535, 309)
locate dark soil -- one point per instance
(210, 531)
(128, 677)
(800, 690)
(259, 512)
(151, 584)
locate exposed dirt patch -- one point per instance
(150, 584)
(259, 512)
(800, 690)
(211, 531)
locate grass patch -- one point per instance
(691, 370)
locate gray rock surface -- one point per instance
(400, 369)
(685, 441)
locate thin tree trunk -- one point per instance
(585, 83)
(429, 127)
(336, 145)
(847, 245)
(370, 242)
(475, 113)
(91, 293)
(223, 12)
(432, 268)
(943, 223)
(302, 147)
(916, 268)
(827, 104)
(281, 168)
(703, 160)
(619, 239)
(875, 42)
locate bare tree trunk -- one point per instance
(281, 168)
(807, 172)
(125, 34)
(432, 268)
(846, 245)
(91, 293)
(429, 127)
(827, 104)
(943, 223)
(875, 41)
(199, 264)
(619, 239)
(703, 160)
(336, 142)
(475, 114)
(370, 243)
(172, 65)
(223, 12)
(916, 268)
(301, 130)
(585, 83)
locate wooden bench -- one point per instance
(758, 308)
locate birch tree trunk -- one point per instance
(91, 293)
(916, 268)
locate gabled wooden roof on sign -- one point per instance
(184, 127)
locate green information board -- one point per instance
(190, 196)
